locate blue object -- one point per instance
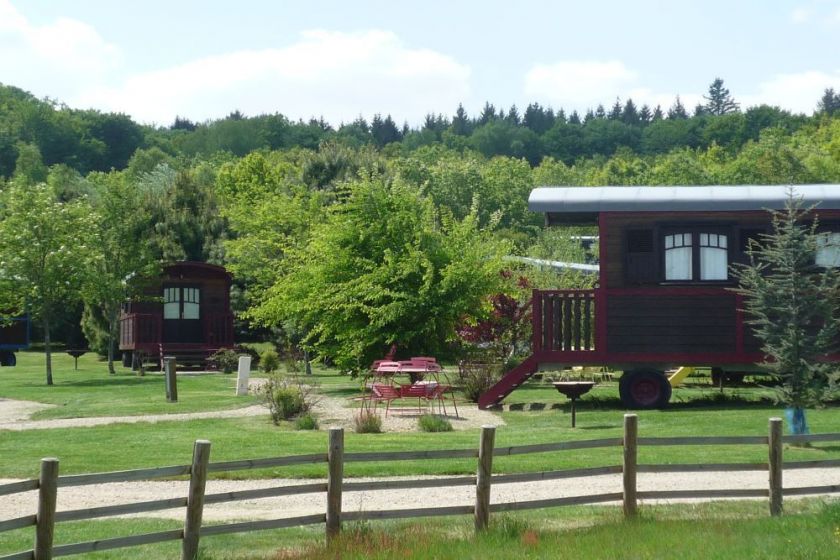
(796, 421)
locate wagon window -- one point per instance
(678, 256)
(191, 303)
(828, 249)
(171, 304)
(714, 264)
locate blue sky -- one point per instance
(155, 59)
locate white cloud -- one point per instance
(581, 85)
(332, 74)
(576, 83)
(798, 92)
(800, 15)
(58, 59)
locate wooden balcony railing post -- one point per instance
(195, 499)
(45, 519)
(335, 481)
(629, 465)
(483, 477)
(536, 321)
(775, 464)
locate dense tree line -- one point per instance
(331, 232)
(89, 140)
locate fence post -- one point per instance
(483, 477)
(195, 499)
(631, 430)
(171, 379)
(335, 460)
(775, 456)
(45, 520)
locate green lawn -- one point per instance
(90, 391)
(718, 530)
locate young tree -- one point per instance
(794, 308)
(384, 268)
(42, 254)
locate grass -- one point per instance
(708, 531)
(91, 391)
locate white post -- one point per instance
(242, 376)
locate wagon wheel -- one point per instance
(644, 388)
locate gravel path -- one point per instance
(14, 416)
(292, 506)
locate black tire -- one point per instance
(8, 359)
(644, 389)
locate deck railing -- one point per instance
(564, 320)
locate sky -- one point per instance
(340, 60)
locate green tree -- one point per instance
(43, 254)
(718, 100)
(385, 268)
(119, 253)
(794, 309)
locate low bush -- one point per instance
(286, 397)
(477, 377)
(269, 361)
(225, 360)
(434, 423)
(306, 422)
(366, 422)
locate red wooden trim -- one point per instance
(689, 291)
(683, 358)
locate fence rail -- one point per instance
(335, 458)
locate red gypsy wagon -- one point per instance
(663, 297)
(185, 313)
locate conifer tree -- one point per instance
(677, 110)
(793, 308)
(718, 100)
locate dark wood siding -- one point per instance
(619, 225)
(671, 324)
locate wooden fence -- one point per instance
(49, 482)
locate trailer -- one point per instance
(184, 313)
(14, 336)
(664, 297)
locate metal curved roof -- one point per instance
(679, 198)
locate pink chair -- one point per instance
(382, 392)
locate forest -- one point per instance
(347, 239)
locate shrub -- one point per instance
(306, 422)
(434, 423)
(242, 349)
(288, 402)
(287, 397)
(477, 377)
(366, 422)
(269, 361)
(225, 360)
